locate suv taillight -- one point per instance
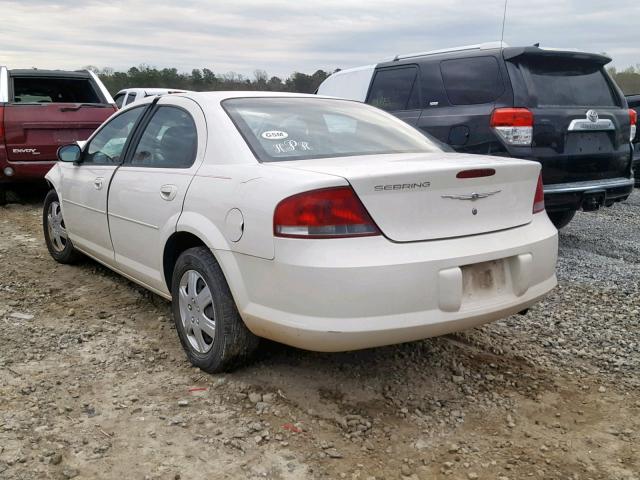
(538, 198)
(513, 125)
(633, 120)
(324, 213)
(1, 124)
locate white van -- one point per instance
(130, 95)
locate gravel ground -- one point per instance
(94, 384)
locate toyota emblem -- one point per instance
(592, 116)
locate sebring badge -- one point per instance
(592, 116)
(471, 196)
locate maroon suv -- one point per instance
(41, 110)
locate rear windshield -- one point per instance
(564, 82)
(279, 129)
(54, 90)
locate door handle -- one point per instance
(98, 183)
(168, 192)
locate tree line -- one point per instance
(206, 80)
(628, 79)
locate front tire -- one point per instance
(211, 331)
(561, 219)
(55, 232)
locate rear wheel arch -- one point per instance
(177, 243)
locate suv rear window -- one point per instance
(472, 81)
(53, 90)
(565, 82)
(279, 129)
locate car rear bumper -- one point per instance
(348, 294)
(589, 194)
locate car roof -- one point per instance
(35, 72)
(150, 91)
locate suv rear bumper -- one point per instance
(587, 195)
(24, 171)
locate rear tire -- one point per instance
(211, 331)
(58, 242)
(561, 219)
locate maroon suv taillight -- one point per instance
(538, 199)
(513, 125)
(324, 213)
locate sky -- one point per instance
(283, 36)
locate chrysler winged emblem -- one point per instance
(472, 196)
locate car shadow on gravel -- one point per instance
(26, 194)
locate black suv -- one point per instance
(559, 108)
(634, 102)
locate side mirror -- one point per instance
(69, 153)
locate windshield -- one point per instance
(279, 129)
(565, 82)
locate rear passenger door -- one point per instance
(396, 90)
(148, 191)
(472, 87)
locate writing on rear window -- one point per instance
(279, 129)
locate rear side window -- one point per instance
(395, 89)
(131, 98)
(472, 81)
(53, 90)
(169, 140)
(560, 82)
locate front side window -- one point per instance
(107, 146)
(472, 81)
(169, 140)
(279, 129)
(393, 89)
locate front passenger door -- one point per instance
(85, 185)
(148, 191)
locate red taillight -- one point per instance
(633, 120)
(512, 117)
(538, 199)
(476, 173)
(1, 124)
(325, 213)
(513, 125)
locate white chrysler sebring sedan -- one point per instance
(321, 223)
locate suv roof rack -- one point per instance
(478, 46)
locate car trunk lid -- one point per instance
(415, 197)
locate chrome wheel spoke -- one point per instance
(203, 299)
(197, 333)
(207, 325)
